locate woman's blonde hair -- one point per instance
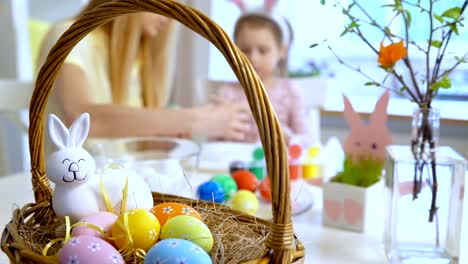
(126, 43)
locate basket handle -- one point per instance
(281, 235)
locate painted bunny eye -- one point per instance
(374, 146)
(81, 160)
(65, 160)
(357, 144)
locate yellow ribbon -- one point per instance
(124, 196)
(128, 249)
(105, 197)
(53, 242)
(68, 229)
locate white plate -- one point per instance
(217, 156)
(302, 200)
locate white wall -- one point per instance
(15, 63)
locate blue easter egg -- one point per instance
(175, 251)
(211, 191)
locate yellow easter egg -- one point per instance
(245, 201)
(188, 228)
(142, 229)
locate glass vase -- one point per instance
(424, 188)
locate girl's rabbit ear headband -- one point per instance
(267, 11)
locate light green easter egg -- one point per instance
(188, 228)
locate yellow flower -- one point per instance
(390, 54)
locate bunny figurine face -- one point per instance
(367, 140)
(71, 164)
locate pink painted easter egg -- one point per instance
(103, 220)
(89, 249)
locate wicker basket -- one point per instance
(285, 248)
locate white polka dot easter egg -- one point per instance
(89, 249)
(188, 228)
(176, 251)
(143, 228)
(103, 220)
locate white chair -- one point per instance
(14, 103)
(313, 91)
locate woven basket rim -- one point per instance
(281, 235)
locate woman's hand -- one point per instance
(222, 120)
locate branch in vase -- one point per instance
(407, 61)
(445, 41)
(373, 81)
(408, 90)
(416, 5)
(361, 36)
(389, 35)
(459, 61)
(428, 54)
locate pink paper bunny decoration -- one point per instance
(367, 140)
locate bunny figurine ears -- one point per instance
(267, 11)
(367, 140)
(62, 138)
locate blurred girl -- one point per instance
(265, 37)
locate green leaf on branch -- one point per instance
(349, 27)
(462, 60)
(439, 18)
(404, 88)
(454, 27)
(408, 17)
(436, 43)
(372, 84)
(444, 83)
(453, 13)
(390, 5)
(387, 31)
(322, 2)
(314, 45)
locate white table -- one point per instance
(323, 245)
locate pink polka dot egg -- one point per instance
(89, 249)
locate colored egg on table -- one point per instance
(89, 249)
(265, 189)
(228, 184)
(165, 211)
(258, 170)
(245, 201)
(103, 220)
(176, 251)
(295, 151)
(143, 228)
(237, 165)
(211, 191)
(188, 228)
(245, 180)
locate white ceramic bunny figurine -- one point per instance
(77, 191)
